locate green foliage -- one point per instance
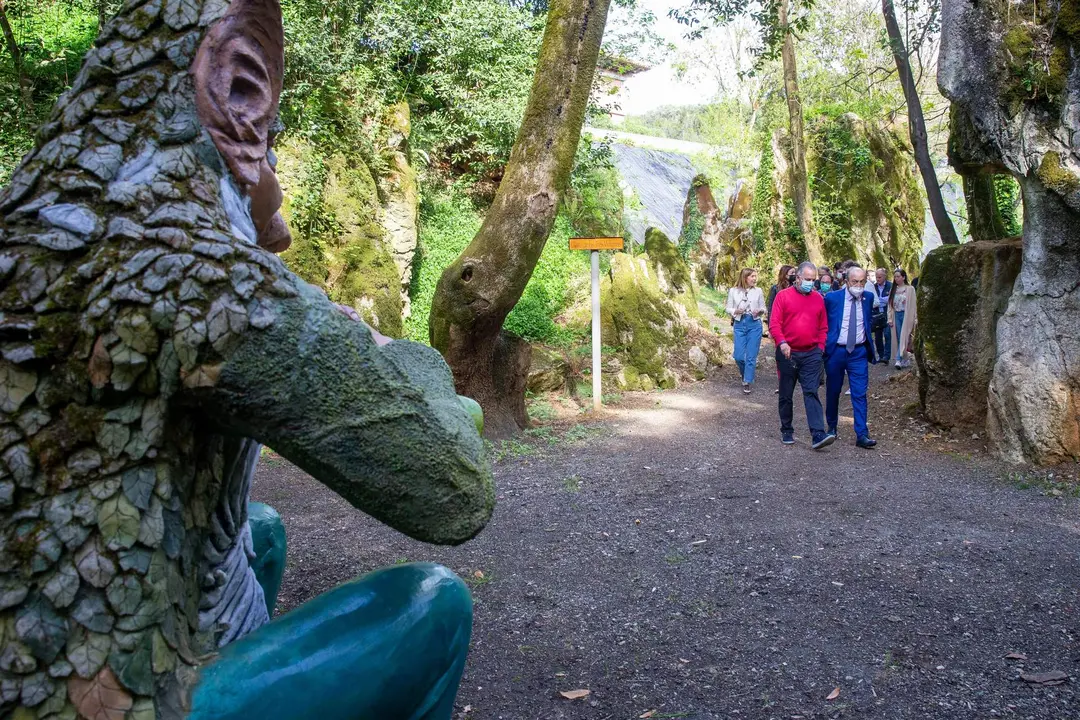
(549, 290)
(692, 229)
(1007, 199)
(594, 201)
(761, 221)
(448, 223)
(53, 36)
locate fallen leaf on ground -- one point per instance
(834, 694)
(575, 694)
(648, 714)
(478, 574)
(1016, 656)
(1054, 677)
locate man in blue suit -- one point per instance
(848, 349)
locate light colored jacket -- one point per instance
(741, 302)
(911, 317)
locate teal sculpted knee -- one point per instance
(268, 542)
(391, 644)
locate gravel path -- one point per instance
(682, 562)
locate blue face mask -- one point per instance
(807, 286)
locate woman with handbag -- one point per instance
(746, 306)
(903, 316)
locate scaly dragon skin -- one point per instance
(144, 336)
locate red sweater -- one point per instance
(798, 320)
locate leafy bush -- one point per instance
(53, 35)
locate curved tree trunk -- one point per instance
(478, 291)
(800, 184)
(917, 128)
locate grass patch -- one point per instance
(1047, 483)
(572, 484)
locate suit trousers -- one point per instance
(805, 367)
(856, 365)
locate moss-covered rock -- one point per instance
(866, 197)
(673, 274)
(549, 370)
(963, 290)
(637, 316)
(333, 211)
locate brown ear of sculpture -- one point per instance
(238, 74)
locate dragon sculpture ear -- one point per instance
(238, 74)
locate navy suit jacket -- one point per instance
(834, 311)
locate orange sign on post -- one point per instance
(597, 243)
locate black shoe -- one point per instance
(823, 441)
(787, 438)
(832, 431)
(746, 388)
(866, 442)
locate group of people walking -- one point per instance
(826, 325)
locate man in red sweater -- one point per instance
(798, 325)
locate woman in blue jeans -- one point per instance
(746, 306)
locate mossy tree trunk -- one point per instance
(917, 128)
(16, 60)
(991, 215)
(800, 185)
(481, 287)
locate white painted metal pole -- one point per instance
(596, 386)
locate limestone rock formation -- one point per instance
(1011, 69)
(719, 240)
(867, 203)
(963, 291)
(339, 244)
(649, 313)
(401, 204)
(700, 232)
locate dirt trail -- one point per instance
(683, 561)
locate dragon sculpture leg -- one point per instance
(150, 341)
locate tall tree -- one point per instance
(773, 18)
(800, 183)
(17, 60)
(917, 123)
(477, 291)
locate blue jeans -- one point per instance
(899, 323)
(856, 365)
(747, 345)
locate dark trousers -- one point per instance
(883, 343)
(855, 364)
(806, 367)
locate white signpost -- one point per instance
(595, 245)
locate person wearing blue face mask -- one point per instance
(798, 326)
(848, 349)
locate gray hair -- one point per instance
(807, 264)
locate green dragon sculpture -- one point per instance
(150, 340)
